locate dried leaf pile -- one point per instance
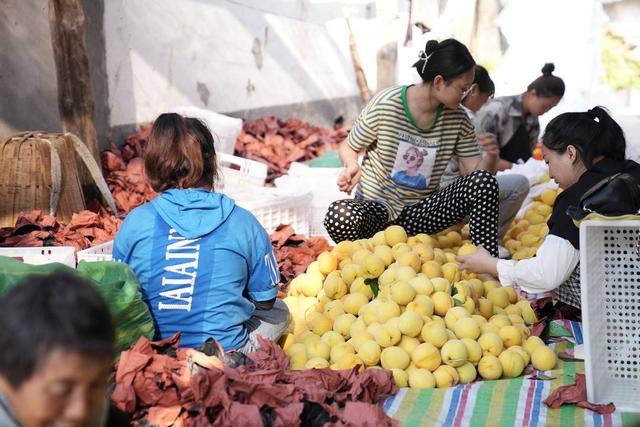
(279, 143)
(125, 177)
(161, 385)
(294, 252)
(124, 172)
(85, 229)
(267, 140)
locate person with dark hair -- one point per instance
(205, 265)
(514, 119)
(512, 188)
(57, 339)
(424, 118)
(481, 91)
(581, 150)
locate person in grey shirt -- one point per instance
(513, 188)
(514, 119)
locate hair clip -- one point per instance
(424, 57)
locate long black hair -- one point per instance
(448, 58)
(593, 133)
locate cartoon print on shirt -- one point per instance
(413, 166)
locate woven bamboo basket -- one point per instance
(39, 170)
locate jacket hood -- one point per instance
(193, 213)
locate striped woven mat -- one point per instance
(512, 402)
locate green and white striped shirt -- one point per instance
(403, 163)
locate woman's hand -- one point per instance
(489, 144)
(349, 177)
(480, 261)
(487, 161)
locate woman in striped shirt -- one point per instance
(408, 135)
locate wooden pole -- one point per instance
(357, 65)
(486, 46)
(75, 99)
(387, 54)
(408, 35)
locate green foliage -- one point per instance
(115, 281)
(373, 284)
(622, 67)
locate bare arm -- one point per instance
(504, 164)
(347, 154)
(488, 124)
(488, 162)
(350, 176)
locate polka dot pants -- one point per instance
(354, 219)
(474, 195)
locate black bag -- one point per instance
(614, 196)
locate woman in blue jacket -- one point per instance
(205, 265)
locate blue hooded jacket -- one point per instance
(200, 260)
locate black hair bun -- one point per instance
(431, 46)
(548, 69)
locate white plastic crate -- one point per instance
(325, 192)
(317, 227)
(238, 172)
(43, 255)
(272, 208)
(610, 288)
(101, 252)
(225, 129)
(322, 183)
(266, 204)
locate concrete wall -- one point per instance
(247, 58)
(28, 91)
(28, 84)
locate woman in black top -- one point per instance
(581, 149)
